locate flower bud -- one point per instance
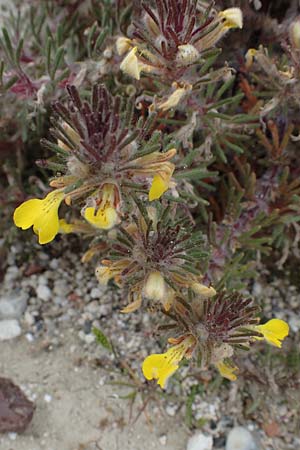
(294, 33)
(155, 287)
(130, 64)
(187, 54)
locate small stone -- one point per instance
(107, 53)
(29, 318)
(240, 438)
(294, 323)
(12, 436)
(54, 263)
(105, 309)
(163, 439)
(257, 4)
(16, 410)
(48, 398)
(43, 292)
(200, 441)
(61, 288)
(42, 279)
(29, 337)
(13, 306)
(9, 329)
(12, 274)
(92, 307)
(171, 410)
(257, 289)
(95, 293)
(89, 338)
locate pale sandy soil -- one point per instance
(82, 413)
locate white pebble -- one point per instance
(240, 438)
(171, 410)
(54, 263)
(12, 436)
(48, 398)
(13, 306)
(294, 323)
(43, 292)
(9, 329)
(89, 338)
(163, 439)
(257, 289)
(95, 293)
(29, 337)
(29, 319)
(200, 441)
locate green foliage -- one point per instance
(178, 158)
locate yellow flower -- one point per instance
(109, 270)
(123, 45)
(274, 331)
(105, 215)
(227, 370)
(161, 366)
(224, 21)
(294, 32)
(77, 226)
(65, 227)
(103, 274)
(158, 165)
(132, 66)
(231, 18)
(41, 214)
(203, 290)
(104, 218)
(175, 97)
(249, 57)
(157, 289)
(159, 186)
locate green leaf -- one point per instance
(8, 45)
(100, 39)
(57, 60)
(196, 174)
(102, 339)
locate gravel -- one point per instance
(46, 291)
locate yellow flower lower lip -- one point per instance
(274, 331)
(227, 370)
(105, 215)
(41, 214)
(158, 188)
(104, 218)
(161, 366)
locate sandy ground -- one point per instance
(74, 411)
